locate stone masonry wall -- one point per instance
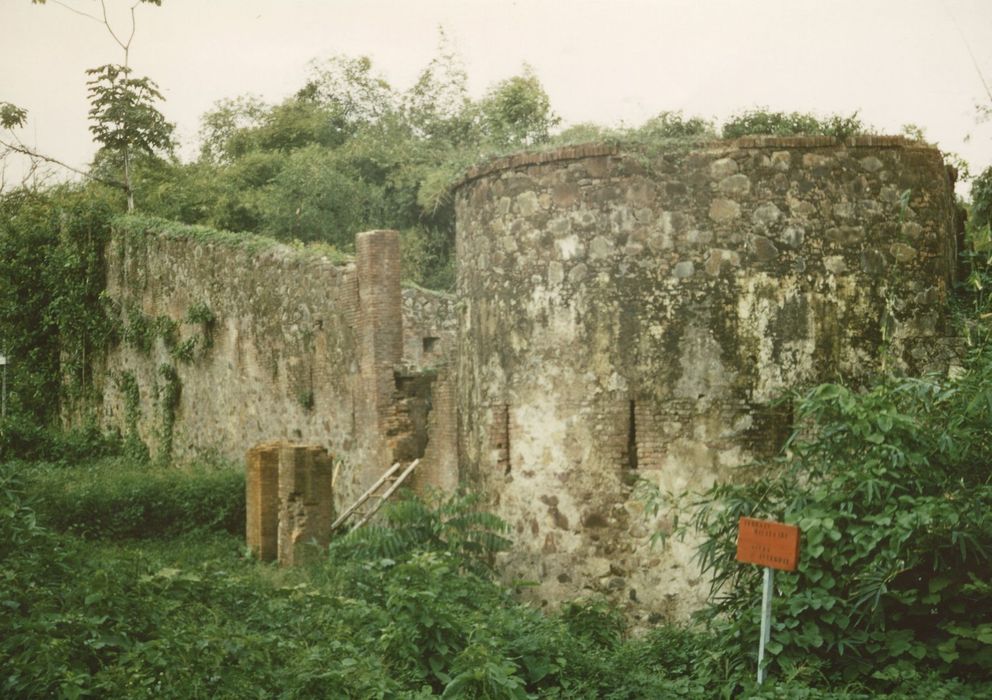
(627, 315)
(300, 348)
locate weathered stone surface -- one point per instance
(871, 164)
(695, 237)
(845, 235)
(764, 249)
(844, 211)
(735, 186)
(720, 260)
(902, 252)
(565, 195)
(600, 248)
(793, 236)
(816, 161)
(685, 340)
(724, 210)
(722, 168)
(911, 231)
(578, 273)
(570, 247)
(781, 160)
(835, 264)
(889, 195)
(873, 262)
(766, 215)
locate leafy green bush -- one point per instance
(890, 488)
(122, 499)
(675, 125)
(23, 438)
(437, 523)
(765, 122)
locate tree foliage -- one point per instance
(11, 115)
(349, 152)
(122, 112)
(981, 200)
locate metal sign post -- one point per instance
(774, 546)
(766, 621)
(3, 388)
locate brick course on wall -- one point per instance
(628, 314)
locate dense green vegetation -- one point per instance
(104, 596)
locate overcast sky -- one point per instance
(612, 62)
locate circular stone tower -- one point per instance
(629, 315)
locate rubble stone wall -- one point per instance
(626, 314)
(298, 347)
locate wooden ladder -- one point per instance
(372, 499)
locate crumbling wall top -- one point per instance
(593, 150)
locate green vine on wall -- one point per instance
(137, 332)
(166, 329)
(134, 448)
(185, 351)
(168, 399)
(200, 314)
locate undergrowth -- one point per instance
(119, 498)
(408, 609)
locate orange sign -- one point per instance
(768, 543)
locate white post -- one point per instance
(3, 389)
(766, 621)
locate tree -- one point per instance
(124, 118)
(517, 111)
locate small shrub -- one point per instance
(674, 125)
(594, 621)
(23, 438)
(138, 331)
(765, 122)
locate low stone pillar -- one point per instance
(290, 504)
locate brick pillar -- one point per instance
(262, 500)
(439, 466)
(380, 316)
(290, 501)
(306, 502)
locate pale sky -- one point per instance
(608, 61)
